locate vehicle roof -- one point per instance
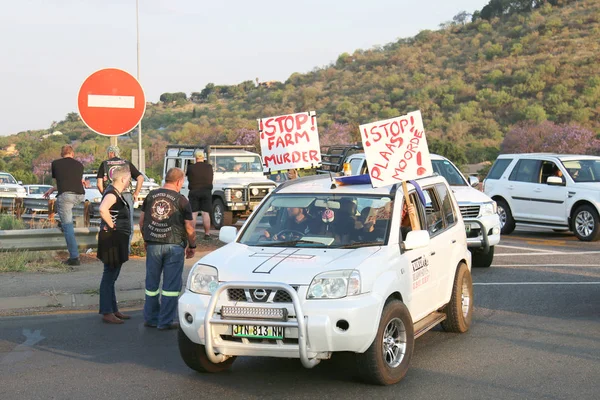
(231, 152)
(432, 155)
(561, 157)
(320, 184)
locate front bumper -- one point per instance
(310, 332)
(483, 232)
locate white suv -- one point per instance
(318, 269)
(561, 192)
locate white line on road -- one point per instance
(24, 351)
(550, 253)
(532, 283)
(110, 101)
(525, 248)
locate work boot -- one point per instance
(72, 261)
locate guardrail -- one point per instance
(50, 239)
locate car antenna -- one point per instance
(333, 185)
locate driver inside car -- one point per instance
(296, 224)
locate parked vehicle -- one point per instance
(556, 191)
(10, 187)
(239, 184)
(482, 223)
(37, 192)
(349, 280)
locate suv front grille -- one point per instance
(261, 192)
(469, 211)
(281, 296)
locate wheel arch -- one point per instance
(575, 206)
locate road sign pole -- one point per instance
(141, 165)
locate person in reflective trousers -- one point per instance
(166, 224)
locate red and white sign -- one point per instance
(289, 142)
(396, 149)
(111, 102)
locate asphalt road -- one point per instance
(535, 334)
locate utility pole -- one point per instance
(141, 165)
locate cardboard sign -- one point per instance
(396, 149)
(289, 142)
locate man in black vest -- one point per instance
(169, 235)
(200, 182)
(104, 176)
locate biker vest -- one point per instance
(109, 167)
(164, 218)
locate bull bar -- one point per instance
(300, 323)
(485, 242)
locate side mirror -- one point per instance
(20, 182)
(473, 181)
(227, 234)
(555, 181)
(152, 180)
(416, 240)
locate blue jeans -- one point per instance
(64, 204)
(108, 297)
(166, 260)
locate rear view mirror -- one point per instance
(555, 181)
(227, 234)
(473, 181)
(416, 240)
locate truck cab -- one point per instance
(239, 184)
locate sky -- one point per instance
(49, 47)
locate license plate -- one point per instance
(468, 228)
(258, 332)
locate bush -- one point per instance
(9, 223)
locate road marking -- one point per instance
(550, 253)
(545, 265)
(532, 283)
(23, 351)
(110, 101)
(525, 248)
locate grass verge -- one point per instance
(31, 261)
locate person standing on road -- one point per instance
(200, 180)
(166, 224)
(113, 242)
(105, 177)
(68, 174)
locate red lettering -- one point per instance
(288, 139)
(395, 128)
(384, 126)
(280, 122)
(376, 173)
(403, 124)
(402, 166)
(408, 155)
(302, 135)
(279, 142)
(286, 158)
(301, 120)
(295, 157)
(270, 142)
(397, 139)
(270, 160)
(385, 155)
(415, 141)
(418, 134)
(411, 148)
(313, 156)
(376, 134)
(304, 157)
(289, 126)
(270, 127)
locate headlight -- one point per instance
(488, 209)
(255, 192)
(97, 199)
(334, 285)
(203, 279)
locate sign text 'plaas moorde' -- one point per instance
(289, 141)
(396, 149)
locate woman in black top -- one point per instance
(113, 242)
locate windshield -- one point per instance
(7, 178)
(244, 163)
(324, 221)
(583, 170)
(90, 182)
(38, 189)
(448, 171)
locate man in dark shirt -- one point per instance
(296, 222)
(104, 176)
(68, 173)
(166, 225)
(200, 180)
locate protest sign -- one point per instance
(289, 142)
(396, 149)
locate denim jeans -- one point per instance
(165, 259)
(108, 298)
(64, 204)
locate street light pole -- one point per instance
(141, 166)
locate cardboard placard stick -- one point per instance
(414, 221)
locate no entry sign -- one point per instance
(111, 102)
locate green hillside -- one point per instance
(472, 82)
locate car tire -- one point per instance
(194, 356)
(507, 222)
(386, 361)
(459, 312)
(218, 214)
(586, 223)
(480, 259)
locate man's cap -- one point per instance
(199, 154)
(113, 149)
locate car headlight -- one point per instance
(488, 209)
(203, 279)
(97, 199)
(238, 194)
(334, 285)
(255, 191)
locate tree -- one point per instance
(461, 18)
(530, 137)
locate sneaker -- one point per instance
(207, 237)
(72, 261)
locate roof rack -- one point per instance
(333, 157)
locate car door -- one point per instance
(548, 202)
(520, 186)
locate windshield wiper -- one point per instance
(288, 243)
(361, 244)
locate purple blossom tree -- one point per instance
(335, 134)
(550, 137)
(247, 137)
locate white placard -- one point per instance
(396, 149)
(289, 142)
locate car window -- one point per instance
(446, 201)
(6, 178)
(355, 165)
(498, 168)
(448, 171)
(549, 169)
(526, 171)
(583, 170)
(433, 212)
(404, 229)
